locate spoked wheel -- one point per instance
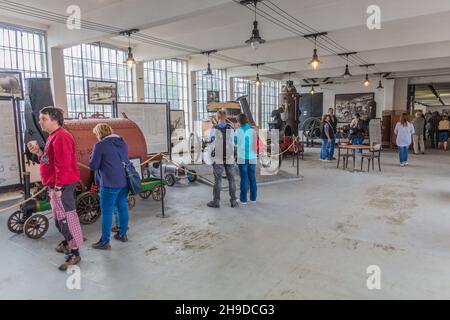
(192, 176)
(36, 226)
(311, 128)
(158, 193)
(88, 207)
(145, 194)
(15, 222)
(131, 202)
(171, 180)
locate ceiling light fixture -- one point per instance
(130, 61)
(209, 72)
(380, 84)
(255, 39)
(257, 81)
(366, 80)
(347, 73)
(315, 61)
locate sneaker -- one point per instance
(234, 204)
(241, 202)
(406, 164)
(70, 261)
(123, 238)
(63, 248)
(101, 246)
(402, 164)
(252, 202)
(213, 204)
(115, 229)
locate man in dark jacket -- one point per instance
(221, 141)
(333, 123)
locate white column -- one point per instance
(58, 79)
(139, 88)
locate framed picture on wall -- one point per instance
(346, 105)
(11, 85)
(213, 96)
(102, 92)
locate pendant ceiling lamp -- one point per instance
(255, 39)
(366, 81)
(130, 61)
(315, 61)
(208, 72)
(380, 84)
(258, 80)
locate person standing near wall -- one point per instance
(333, 123)
(443, 130)
(245, 140)
(221, 140)
(326, 134)
(357, 132)
(418, 137)
(404, 131)
(59, 172)
(433, 128)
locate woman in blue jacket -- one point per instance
(245, 139)
(106, 161)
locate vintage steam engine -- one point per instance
(38, 95)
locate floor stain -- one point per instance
(397, 201)
(191, 237)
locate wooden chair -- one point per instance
(343, 156)
(374, 153)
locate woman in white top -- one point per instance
(404, 131)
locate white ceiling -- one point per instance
(414, 34)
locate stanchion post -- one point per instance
(163, 213)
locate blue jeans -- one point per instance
(109, 197)
(357, 141)
(324, 154)
(247, 173)
(403, 154)
(116, 216)
(332, 145)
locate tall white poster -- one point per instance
(152, 119)
(9, 166)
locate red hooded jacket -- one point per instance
(58, 164)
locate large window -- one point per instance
(23, 50)
(270, 99)
(216, 82)
(95, 62)
(167, 80)
(246, 87)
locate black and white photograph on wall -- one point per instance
(346, 105)
(102, 92)
(213, 96)
(11, 85)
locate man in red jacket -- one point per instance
(59, 172)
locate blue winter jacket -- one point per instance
(107, 164)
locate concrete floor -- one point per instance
(311, 239)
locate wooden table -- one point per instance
(352, 147)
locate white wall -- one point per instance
(384, 98)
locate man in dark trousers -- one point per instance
(59, 172)
(333, 123)
(221, 141)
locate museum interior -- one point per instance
(344, 108)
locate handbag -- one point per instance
(133, 178)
